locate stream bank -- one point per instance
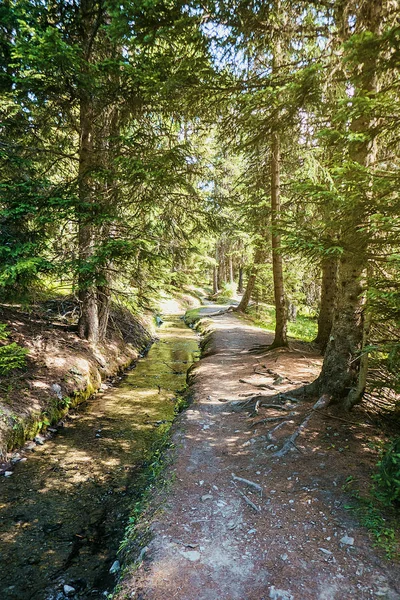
(64, 510)
(62, 370)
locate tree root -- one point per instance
(247, 482)
(272, 431)
(260, 386)
(323, 402)
(260, 400)
(267, 420)
(249, 502)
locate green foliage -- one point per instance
(387, 479)
(304, 328)
(373, 515)
(12, 357)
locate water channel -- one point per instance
(63, 512)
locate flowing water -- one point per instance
(63, 511)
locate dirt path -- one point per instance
(297, 541)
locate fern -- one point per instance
(12, 356)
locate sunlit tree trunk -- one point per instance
(240, 280)
(280, 338)
(258, 258)
(88, 326)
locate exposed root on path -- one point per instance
(323, 402)
(262, 401)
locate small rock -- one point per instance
(284, 557)
(325, 551)
(191, 555)
(275, 594)
(39, 440)
(8, 473)
(206, 497)
(69, 590)
(142, 553)
(349, 541)
(57, 390)
(115, 567)
(52, 429)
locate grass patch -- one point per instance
(380, 519)
(154, 476)
(191, 316)
(304, 328)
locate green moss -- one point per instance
(191, 316)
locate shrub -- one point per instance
(388, 477)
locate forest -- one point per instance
(247, 147)
(153, 144)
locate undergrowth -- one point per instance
(304, 328)
(137, 533)
(12, 356)
(377, 515)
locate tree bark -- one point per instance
(344, 370)
(231, 277)
(88, 326)
(340, 368)
(258, 257)
(277, 262)
(240, 280)
(329, 286)
(215, 280)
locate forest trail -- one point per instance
(216, 537)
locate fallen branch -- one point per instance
(247, 482)
(249, 502)
(323, 402)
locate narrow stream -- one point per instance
(63, 511)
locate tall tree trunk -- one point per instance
(231, 277)
(340, 368)
(344, 369)
(329, 288)
(88, 326)
(221, 264)
(215, 280)
(277, 262)
(258, 257)
(240, 280)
